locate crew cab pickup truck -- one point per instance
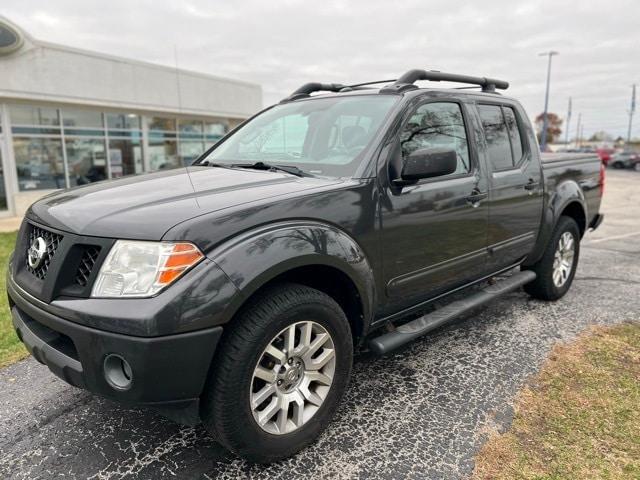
(236, 290)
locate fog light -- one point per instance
(117, 371)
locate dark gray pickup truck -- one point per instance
(236, 290)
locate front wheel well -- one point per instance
(332, 282)
(576, 211)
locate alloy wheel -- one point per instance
(563, 259)
(292, 377)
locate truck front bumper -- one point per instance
(167, 372)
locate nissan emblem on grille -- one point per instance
(36, 252)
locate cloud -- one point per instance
(281, 45)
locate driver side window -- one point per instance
(437, 125)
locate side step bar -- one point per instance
(410, 331)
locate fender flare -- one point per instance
(255, 257)
(565, 194)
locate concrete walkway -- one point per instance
(10, 224)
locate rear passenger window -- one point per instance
(497, 136)
(514, 134)
(437, 125)
(504, 144)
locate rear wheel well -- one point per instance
(332, 282)
(574, 210)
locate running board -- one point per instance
(416, 328)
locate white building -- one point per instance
(69, 116)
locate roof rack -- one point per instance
(308, 88)
(406, 81)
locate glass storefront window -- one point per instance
(39, 163)
(125, 157)
(163, 154)
(216, 129)
(82, 118)
(190, 127)
(123, 121)
(32, 115)
(164, 124)
(87, 160)
(190, 150)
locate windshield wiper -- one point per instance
(207, 163)
(293, 170)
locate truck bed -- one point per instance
(584, 168)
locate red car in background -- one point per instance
(605, 155)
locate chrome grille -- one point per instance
(52, 241)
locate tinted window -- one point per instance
(497, 136)
(437, 125)
(514, 133)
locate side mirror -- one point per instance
(427, 163)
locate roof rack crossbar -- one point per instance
(407, 80)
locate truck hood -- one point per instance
(144, 207)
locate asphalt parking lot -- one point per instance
(420, 413)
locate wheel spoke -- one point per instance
(276, 354)
(290, 339)
(322, 359)
(267, 414)
(283, 416)
(311, 396)
(259, 397)
(262, 373)
(318, 342)
(305, 335)
(318, 377)
(298, 410)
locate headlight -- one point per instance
(142, 269)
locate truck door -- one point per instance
(434, 232)
(515, 181)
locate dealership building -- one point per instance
(69, 117)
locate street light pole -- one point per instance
(566, 127)
(632, 110)
(545, 120)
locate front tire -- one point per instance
(557, 267)
(283, 366)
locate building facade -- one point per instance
(70, 117)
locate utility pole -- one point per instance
(566, 139)
(578, 130)
(545, 120)
(632, 110)
(581, 134)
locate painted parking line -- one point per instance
(615, 237)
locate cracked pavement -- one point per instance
(422, 412)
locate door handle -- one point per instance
(475, 198)
(531, 185)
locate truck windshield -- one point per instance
(322, 136)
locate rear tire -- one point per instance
(557, 267)
(295, 388)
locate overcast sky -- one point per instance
(282, 44)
